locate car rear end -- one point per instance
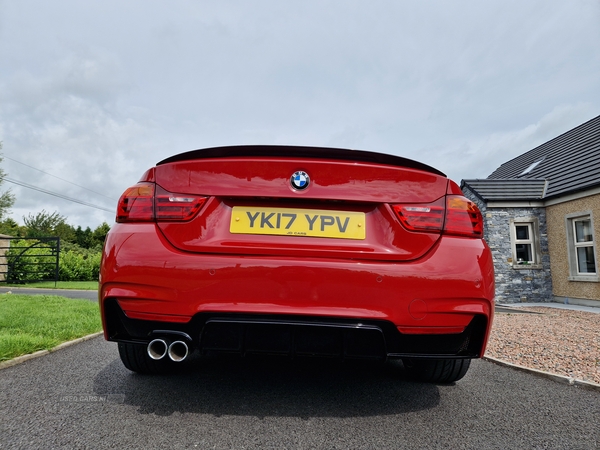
(297, 251)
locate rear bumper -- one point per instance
(439, 305)
(298, 336)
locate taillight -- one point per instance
(146, 202)
(455, 215)
(463, 217)
(428, 217)
(136, 204)
(182, 207)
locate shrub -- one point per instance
(78, 264)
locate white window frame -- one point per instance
(573, 245)
(532, 223)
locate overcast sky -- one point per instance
(95, 93)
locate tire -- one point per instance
(436, 370)
(135, 358)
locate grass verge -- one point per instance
(81, 285)
(29, 323)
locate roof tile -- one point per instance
(567, 163)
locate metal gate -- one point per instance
(26, 260)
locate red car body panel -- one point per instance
(358, 186)
(162, 275)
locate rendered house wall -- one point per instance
(558, 239)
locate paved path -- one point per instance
(514, 307)
(82, 397)
(69, 293)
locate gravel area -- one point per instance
(558, 341)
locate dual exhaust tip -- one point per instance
(176, 350)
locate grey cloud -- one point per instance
(99, 92)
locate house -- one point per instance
(542, 220)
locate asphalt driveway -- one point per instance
(82, 397)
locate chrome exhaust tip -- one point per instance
(178, 351)
(157, 349)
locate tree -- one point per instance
(44, 224)
(11, 228)
(99, 235)
(83, 238)
(7, 198)
(65, 232)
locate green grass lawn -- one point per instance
(29, 323)
(82, 285)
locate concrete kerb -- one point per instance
(23, 358)
(540, 373)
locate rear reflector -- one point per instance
(146, 202)
(454, 215)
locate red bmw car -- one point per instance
(297, 251)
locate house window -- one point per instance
(525, 243)
(582, 247)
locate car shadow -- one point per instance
(270, 387)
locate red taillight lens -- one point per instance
(454, 214)
(428, 217)
(169, 206)
(463, 217)
(146, 202)
(136, 204)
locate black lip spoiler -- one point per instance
(300, 152)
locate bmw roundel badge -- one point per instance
(300, 180)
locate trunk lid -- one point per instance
(341, 205)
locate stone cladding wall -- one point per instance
(515, 283)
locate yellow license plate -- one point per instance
(298, 222)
